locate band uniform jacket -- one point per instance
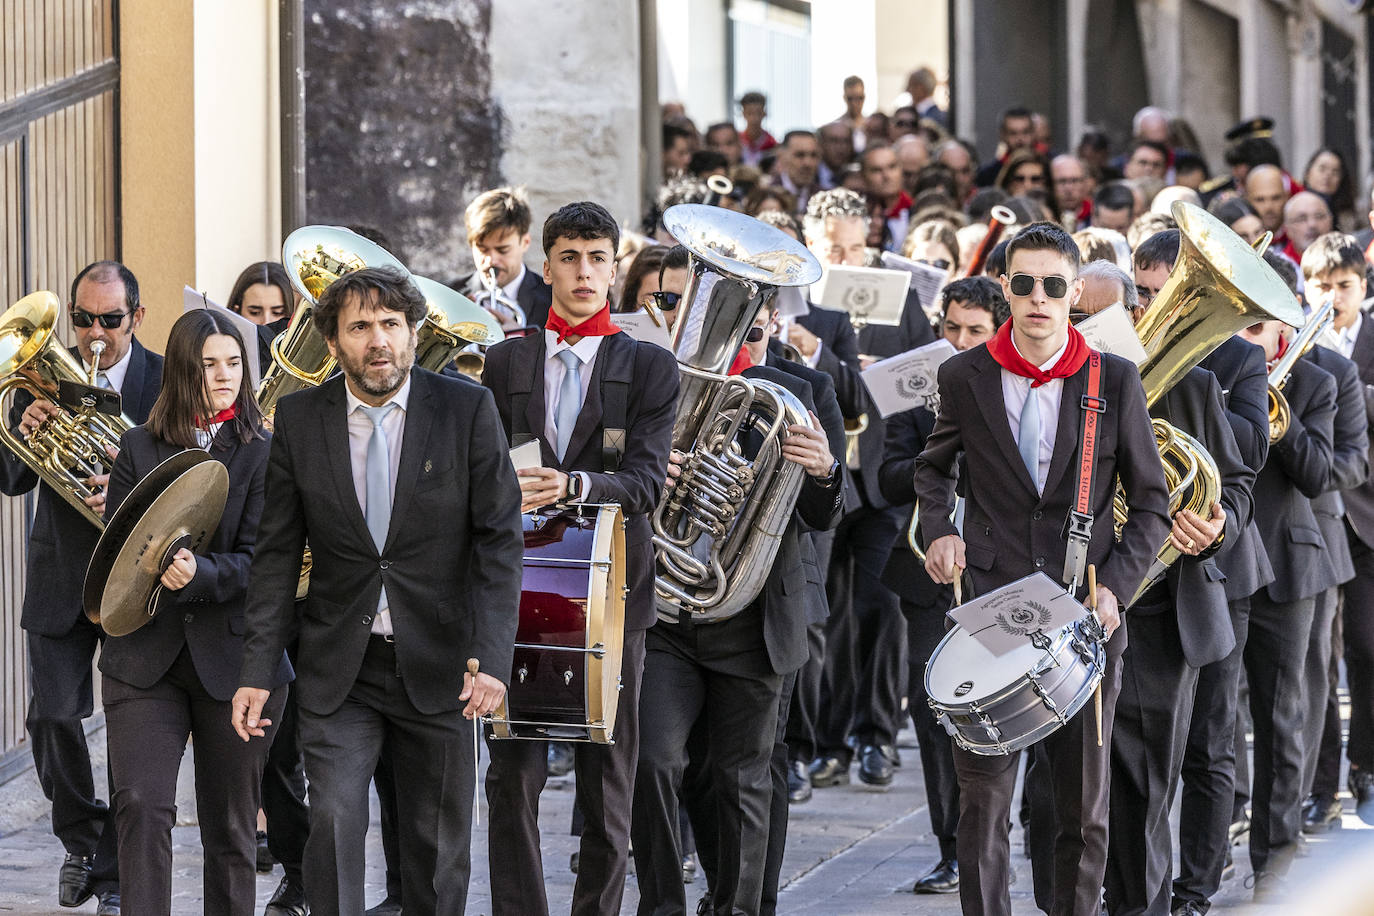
(1359, 501)
(62, 540)
(206, 616)
(534, 296)
(1010, 530)
(1298, 471)
(1349, 456)
(515, 369)
(906, 434)
(1196, 585)
(451, 562)
(1240, 371)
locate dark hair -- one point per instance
(583, 219)
(1149, 144)
(184, 399)
(1343, 199)
(1114, 195)
(1191, 162)
(791, 135)
(105, 272)
(936, 176)
(376, 287)
(268, 273)
(371, 233)
(1095, 139)
(1231, 210)
(755, 198)
(677, 258)
(981, 203)
(1332, 252)
(672, 133)
(1045, 236)
(1160, 248)
(753, 98)
(1287, 272)
(996, 264)
(1253, 151)
(705, 161)
(649, 261)
(979, 292)
(719, 125)
(1013, 112)
(1022, 157)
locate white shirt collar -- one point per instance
(512, 289)
(401, 398)
(116, 373)
(1048, 364)
(1347, 335)
(584, 349)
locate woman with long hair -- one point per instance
(1328, 175)
(263, 293)
(174, 677)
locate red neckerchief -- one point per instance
(1007, 356)
(742, 362)
(599, 325)
(902, 205)
(1283, 348)
(227, 413)
(1085, 213)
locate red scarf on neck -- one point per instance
(599, 325)
(742, 361)
(1007, 356)
(227, 413)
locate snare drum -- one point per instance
(994, 705)
(565, 678)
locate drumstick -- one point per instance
(473, 665)
(1097, 691)
(958, 586)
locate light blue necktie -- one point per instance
(377, 477)
(569, 400)
(1029, 446)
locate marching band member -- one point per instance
(498, 228)
(601, 406)
(1012, 409)
(104, 307)
(400, 481)
(173, 678)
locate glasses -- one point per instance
(1024, 285)
(109, 321)
(665, 302)
(937, 263)
(754, 335)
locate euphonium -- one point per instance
(66, 449)
(717, 531)
(1279, 414)
(1217, 286)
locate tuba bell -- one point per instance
(453, 322)
(1280, 416)
(68, 448)
(717, 531)
(1218, 286)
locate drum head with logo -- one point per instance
(962, 670)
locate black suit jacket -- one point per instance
(1196, 585)
(451, 562)
(207, 615)
(514, 372)
(1240, 370)
(1010, 530)
(906, 438)
(1359, 500)
(1349, 456)
(534, 295)
(1298, 470)
(62, 540)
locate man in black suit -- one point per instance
(498, 227)
(400, 481)
(104, 306)
(1177, 626)
(1013, 409)
(601, 406)
(972, 310)
(1298, 471)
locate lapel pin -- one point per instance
(429, 465)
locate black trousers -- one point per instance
(805, 708)
(435, 751)
(283, 791)
(865, 637)
(148, 728)
(1275, 650)
(384, 780)
(1209, 771)
(1358, 634)
(1068, 856)
(1326, 775)
(605, 788)
(1316, 683)
(719, 671)
(925, 627)
(1149, 735)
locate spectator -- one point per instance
(769, 197)
(1240, 217)
(1326, 174)
(707, 162)
(756, 141)
(913, 155)
(801, 159)
(1306, 216)
(1267, 192)
(1024, 170)
(724, 139)
(1017, 131)
(1163, 202)
(979, 206)
(1146, 159)
(1152, 124)
(677, 150)
(889, 204)
(920, 85)
(961, 162)
(837, 150)
(853, 116)
(935, 244)
(1114, 206)
(1072, 190)
(1146, 225)
(905, 122)
(1190, 170)
(877, 127)
(1094, 148)
(935, 177)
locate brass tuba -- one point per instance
(717, 531)
(453, 322)
(1279, 414)
(1218, 286)
(66, 449)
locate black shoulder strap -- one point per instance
(1080, 521)
(615, 399)
(519, 389)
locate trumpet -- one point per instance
(1280, 415)
(492, 298)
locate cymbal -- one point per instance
(177, 505)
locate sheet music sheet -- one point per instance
(191, 299)
(1005, 618)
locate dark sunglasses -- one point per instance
(666, 302)
(754, 335)
(937, 263)
(1024, 285)
(109, 321)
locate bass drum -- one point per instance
(565, 677)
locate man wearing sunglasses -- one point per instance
(1013, 409)
(103, 307)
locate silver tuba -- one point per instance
(717, 531)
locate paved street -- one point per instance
(850, 850)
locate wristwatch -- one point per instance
(829, 477)
(574, 487)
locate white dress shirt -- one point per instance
(115, 374)
(1015, 389)
(359, 433)
(585, 350)
(512, 289)
(1346, 336)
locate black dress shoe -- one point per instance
(1322, 813)
(893, 755)
(265, 858)
(289, 900)
(74, 880)
(1362, 787)
(109, 904)
(391, 906)
(560, 758)
(874, 767)
(942, 879)
(829, 771)
(798, 783)
(1186, 908)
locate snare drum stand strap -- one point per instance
(1079, 526)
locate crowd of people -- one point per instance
(399, 481)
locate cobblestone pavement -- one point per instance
(850, 850)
